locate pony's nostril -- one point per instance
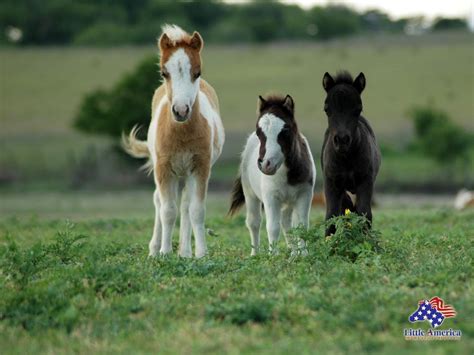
(336, 140)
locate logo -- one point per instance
(434, 312)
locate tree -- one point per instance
(111, 112)
(443, 24)
(440, 138)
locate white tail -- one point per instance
(137, 148)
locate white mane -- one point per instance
(175, 33)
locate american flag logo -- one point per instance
(433, 311)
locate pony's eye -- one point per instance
(197, 75)
(165, 74)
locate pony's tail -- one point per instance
(137, 148)
(238, 197)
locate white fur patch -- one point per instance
(271, 126)
(184, 89)
(215, 125)
(174, 33)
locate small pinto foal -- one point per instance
(277, 172)
(185, 138)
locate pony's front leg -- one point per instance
(333, 203)
(185, 224)
(155, 242)
(286, 223)
(272, 214)
(301, 219)
(364, 200)
(197, 209)
(168, 211)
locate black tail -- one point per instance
(238, 197)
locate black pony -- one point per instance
(350, 157)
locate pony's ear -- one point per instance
(196, 41)
(359, 82)
(289, 104)
(164, 42)
(328, 81)
(261, 103)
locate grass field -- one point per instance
(41, 89)
(85, 284)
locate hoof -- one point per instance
(201, 253)
(186, 253)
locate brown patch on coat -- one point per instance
(174, 139)
(209, 91)
(319, 200)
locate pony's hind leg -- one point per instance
(253, 221)
(185, 224)
(347, 203)
(155, 242)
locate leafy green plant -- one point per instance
(353, 237)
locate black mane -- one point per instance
(343, 77)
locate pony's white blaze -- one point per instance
(184, 89)
(271, 126)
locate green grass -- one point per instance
(88, 286)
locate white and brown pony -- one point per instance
(185, 138)
(278, 171)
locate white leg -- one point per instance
(301, 218)
(155, 242)
(185, 225)
(253, 221)
(272, 214)
(197, 212)
(168, 213)
(286, 223)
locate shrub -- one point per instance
(353, 237)
(110, 112)
(438, 137)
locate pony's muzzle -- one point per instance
(342, 141)
(181, 112)
(266, 166)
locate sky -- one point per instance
(402, 8)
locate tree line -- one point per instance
(106, 22)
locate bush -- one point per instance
(438, 137)
(110, 112)
(353, 237)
